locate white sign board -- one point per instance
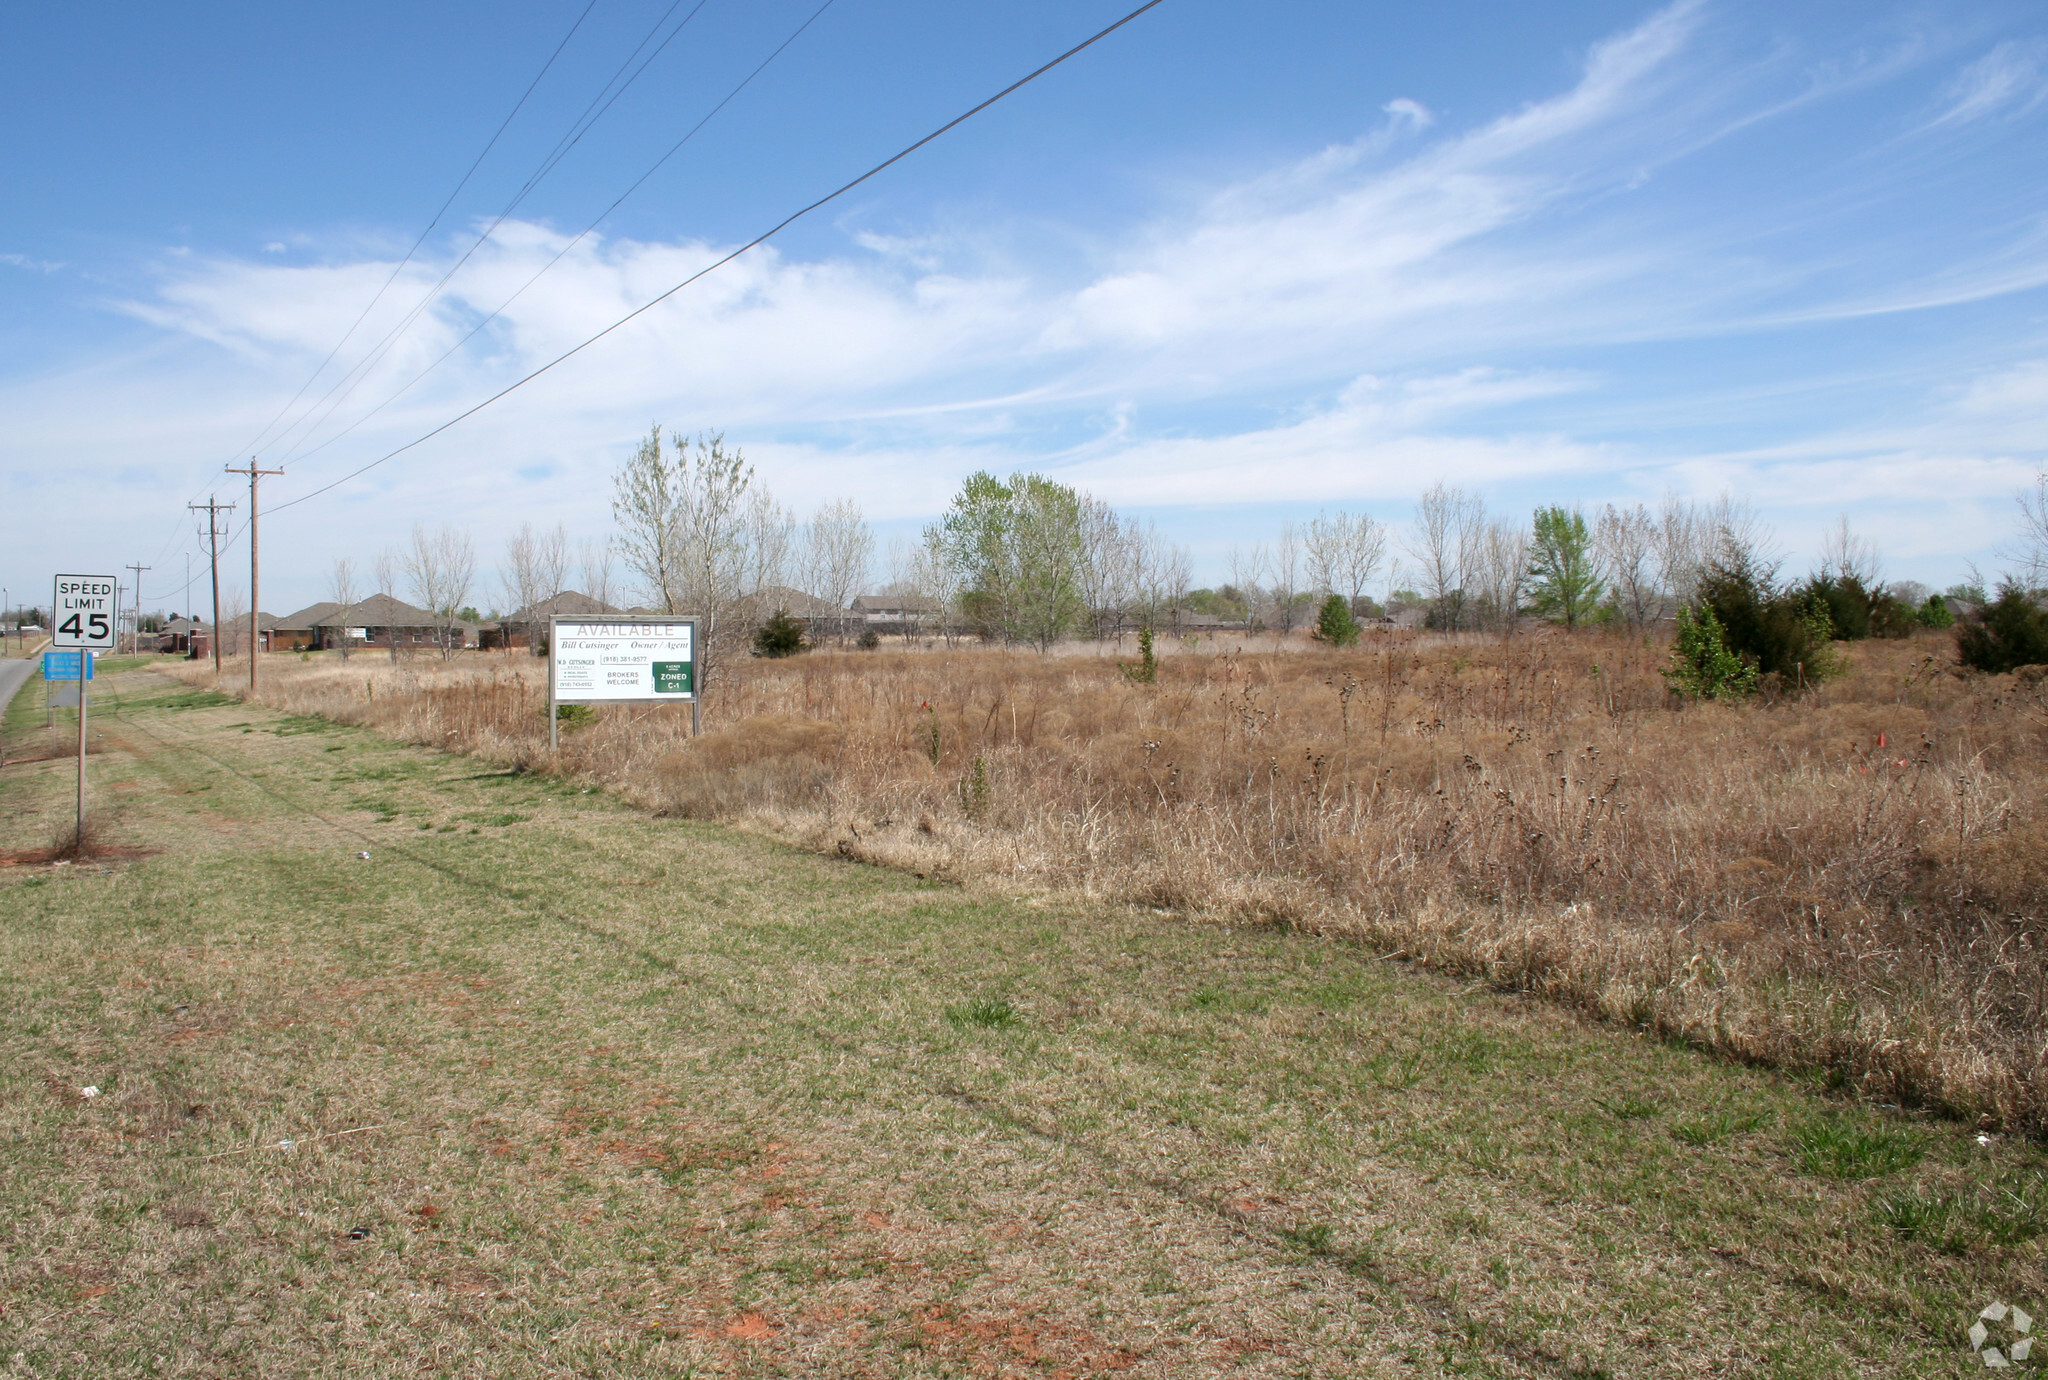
(622, 660)
(84, 612)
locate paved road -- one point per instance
(13, 675)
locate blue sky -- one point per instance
(1234, 264)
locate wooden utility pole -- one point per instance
(135, 643)
(255, 600)
(213, 535)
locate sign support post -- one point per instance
(82, 614)
(78, 836)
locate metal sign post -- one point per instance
(623, 659)
(82, 622)
(71, 665)
(78, 836)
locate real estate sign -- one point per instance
(621, 660)
(625, 659)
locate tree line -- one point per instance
(1030, 561)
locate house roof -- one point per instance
(310, 616)
(372, 611)
(894, 603)
(571, 603)
(792, 601)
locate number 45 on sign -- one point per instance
(84, 607)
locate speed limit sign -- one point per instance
(84, 612)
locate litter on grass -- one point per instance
(288, 1143)
(88, 1092)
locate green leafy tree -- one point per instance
(1935, 613)
(2009, 632)
(1016, 547)
(1702, 667)
(1334, 624)
(1564, 573)
(781, 635)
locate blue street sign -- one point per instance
(67, 665)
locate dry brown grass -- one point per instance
(1851, 881)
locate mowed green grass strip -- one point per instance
(572, 1090)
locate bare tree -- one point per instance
(647, 508)
(1684, 547)
(234, 621)
(1286, 571)
(1159, 572)
(1846, 556)
(519, 581)
(1734, 529)
(2031, 554)
(1112, 561)
(439, 568)
(683, 529)
(1343, 552)
(386, 570)
(1175, 573)
(1626, 539)
(536, 565)
(772, 543)
(928, 573)
(1248, 576)
(1444, 542)
(839, 549)
(1322, 550)
(1364, 548)
(551, 561)
(341, 587)
(594, 557)
(1693, 537)
(1498, 577)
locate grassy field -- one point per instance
(1850, 881)
(573, 1090)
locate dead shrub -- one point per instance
(768, 762)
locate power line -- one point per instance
(758, 240)
(503, 125)
(560, 254)
(347, 384)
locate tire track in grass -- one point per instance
(1339, 1267)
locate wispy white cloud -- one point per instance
(2007, 80)
(31, 264)
(1412, 113)
(1335, 329)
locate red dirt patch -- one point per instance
(37, 857)
(750, 1326)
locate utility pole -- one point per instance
(255, 600)
(135, 643)
(213, 535)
